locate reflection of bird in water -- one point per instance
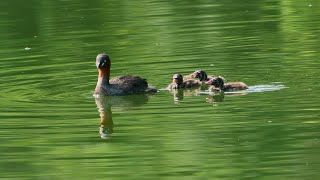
(179, 94)
(104, 104)
(118, 86)
(216, 97)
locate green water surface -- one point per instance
(49, 120)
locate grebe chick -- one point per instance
(219, 84)
(118, 86)
(178, 82)
(201, 75)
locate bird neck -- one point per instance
(104, 76)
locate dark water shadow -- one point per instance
(105, 105)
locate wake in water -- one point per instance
(251, 89)
(264, 88)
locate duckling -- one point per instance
(178, 82)
(201, 75)
(218, 84)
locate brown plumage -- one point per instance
(178, 82)
(122, 85)
(201, 75)
(219, 84)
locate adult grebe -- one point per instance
(121, 85)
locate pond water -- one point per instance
(49, 120)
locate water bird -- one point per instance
(218, 84)
(118, 86)
(201, 75)
(178, 82)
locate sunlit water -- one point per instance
(50, 122)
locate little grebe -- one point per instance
(219, 84)
(178, 82)
(201, 75)
(118, 86)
